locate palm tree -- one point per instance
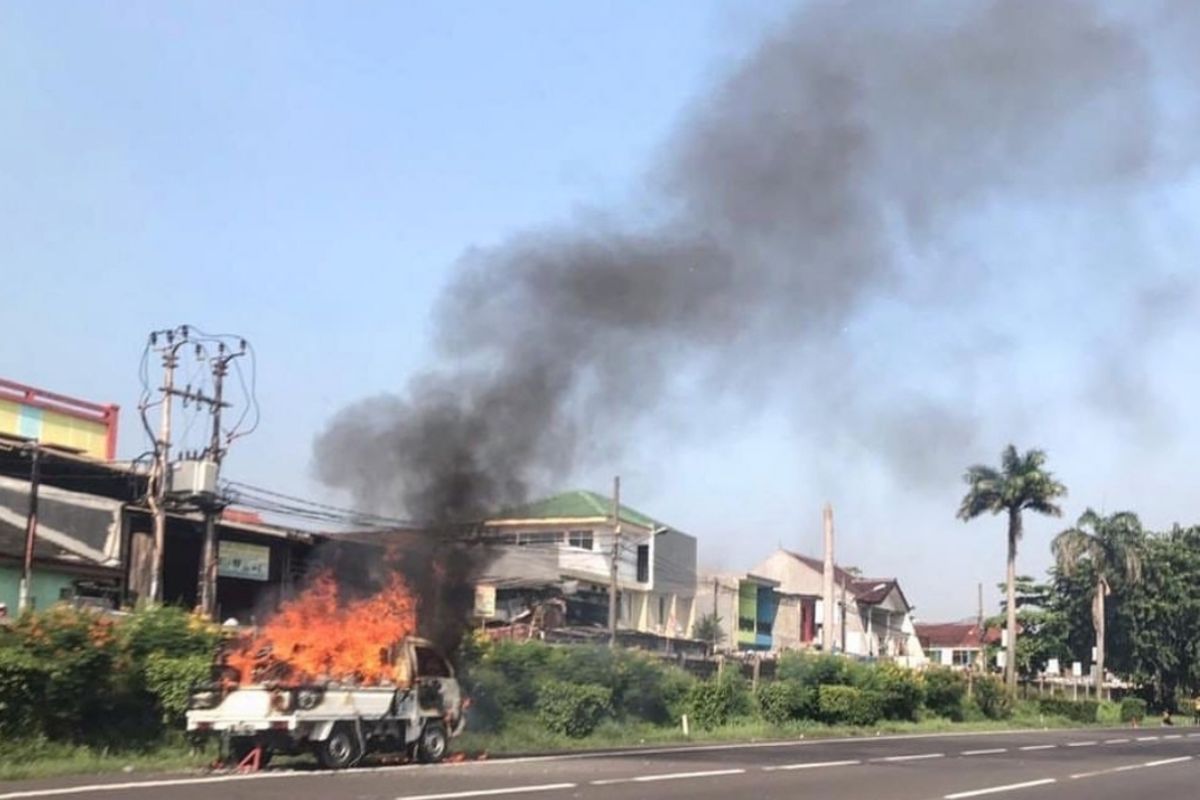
(1021, 484)
(1112, 547)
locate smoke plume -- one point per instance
(809, 216)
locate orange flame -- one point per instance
(316, 637)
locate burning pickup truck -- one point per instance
(415, 706)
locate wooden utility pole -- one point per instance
(210, 555)
(162, 462)
(616, 557)
(31, 522)
(981, 661)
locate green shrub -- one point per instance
(785, 700)
(490, 697)
(993, 697)
(1133, 709)
(573, 709)
(847, 705)
(945, 691)
(1109, 713)
(524, 666)
(714, 702)
(1083, 711)
(172, 680)
(901, 691)
(22, 686)
(819, 669)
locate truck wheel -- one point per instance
(340, 750)
(434, 743)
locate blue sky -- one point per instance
(306, 174)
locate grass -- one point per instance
(39, 758)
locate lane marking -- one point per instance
(1081, 744)
(1194, 735)
(1039, 747)
(993, 751)
(921, 757)
(1147, 738)
(1116, 741)
(675, 776)
(812, 765)
(997, 789)
(1130, 767)
(544, 787)
(1173, 736)
(158, 784)
(1165, 761)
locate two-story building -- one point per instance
(566, 545)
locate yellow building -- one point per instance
(58, 420)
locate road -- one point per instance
(1053, 765)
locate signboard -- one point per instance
(250, 562)
(1077, 670)
(485, 601)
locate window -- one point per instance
(643, 563)
(746, 624)
(581, 539)
(662, 610)
(964, 658)
(764, 627)
(431, 665)
(540, 538)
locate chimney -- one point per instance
(827, 599)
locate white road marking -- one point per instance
(812, 765)
(117, 787)
(545, 787)
(920, 757)
(1165, 761)
(1039, 747)
(670, 776)
(1129, 767)
(1116, 741)
(1081, 744)
(997, 789)
(1147, 738)
(993, 751)
(1194, 735)
(1173, 736)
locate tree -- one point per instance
(1042, 627)
(708, 629)
(1021, 484)
(1112, 547)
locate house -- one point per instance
(565, 545)
(872, 616)
(959, 645)
(752, 613)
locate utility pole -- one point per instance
(31, 522)
(162, 456)
(212, 508)
(616, 556)
(982, 660)
(827, 575)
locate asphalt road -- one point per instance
(1054, 765)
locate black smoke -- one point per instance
(819, 181)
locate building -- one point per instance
(56, 420)
(753, 614)
(563, 546)
(872, 617)
(959, 645)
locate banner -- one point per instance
(485, 601)
(250, 562)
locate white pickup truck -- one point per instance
(417, 712)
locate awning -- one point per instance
(73, 528)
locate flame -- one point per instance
(318, 637)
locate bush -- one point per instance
(22, 685)
(490, 698)
(573, 709)
(1133, 709)
(901, 691)
(819, 669)
(1083, 711)
(846, 705)
(172, 680)
(945, 690)
(993, 698)
(785, 700)
(713, 703)
(1109, 713)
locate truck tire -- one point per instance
(433, 744)
(341, 749)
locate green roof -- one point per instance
(578, 504)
